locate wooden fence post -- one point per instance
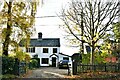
(16, 67)
(105, 67)
(118, 66)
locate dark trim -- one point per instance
(39, 46)
(64, 54)
(53, 54)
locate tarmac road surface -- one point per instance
(48, 72)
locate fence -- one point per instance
(22, 68)
(13, 66)
(98, 67)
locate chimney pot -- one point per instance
(39, 35)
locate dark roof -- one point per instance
(44, 42)
(64, 54)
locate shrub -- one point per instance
(38, 62)
(13, 66)
(16, 65)
(33, 63)
(85, 58)
(7, 65)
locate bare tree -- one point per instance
(89, 21)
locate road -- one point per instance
(48, 72)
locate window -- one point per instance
(54, 50)
(65, 58)
(45, 50)
(31, 50)
(45, 60)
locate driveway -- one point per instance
(48, 72)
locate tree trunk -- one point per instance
(92, 55)
(8, 32)
(82, 32)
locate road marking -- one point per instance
(56, 74)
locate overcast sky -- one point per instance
(49, 26)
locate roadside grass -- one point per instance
(8, 76)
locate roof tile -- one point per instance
(44, 42)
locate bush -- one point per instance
(38, 62)
(33, 64)
(7, 65)
(86, 58)
(13, 66)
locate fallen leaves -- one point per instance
(96, 75)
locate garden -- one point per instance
(18, 66)
(106, 65)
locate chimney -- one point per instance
(39, 35)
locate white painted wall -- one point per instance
(85, 51)
(31, 54)
(39, 52)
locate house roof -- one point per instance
(44, 42)
(64, 54)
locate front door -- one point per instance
(53, 61)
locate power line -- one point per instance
(51, 16)
(46, 16)
(51, 25)
(54, 16)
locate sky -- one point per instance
(49, 26)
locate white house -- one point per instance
(47, 49)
